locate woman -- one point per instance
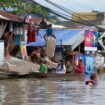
(69, 67)
(31, 33)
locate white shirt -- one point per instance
(60, 70)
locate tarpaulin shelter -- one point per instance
(65, 36)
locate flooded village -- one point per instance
(49, 58)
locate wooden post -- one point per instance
(79, 48)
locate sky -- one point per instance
(82, 5)
(79, 5)
(75, 5)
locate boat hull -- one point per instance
(60, 76)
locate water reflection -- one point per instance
(2, 94)
(51, 92)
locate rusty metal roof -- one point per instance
(36, 20)
(10, 17)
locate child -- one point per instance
(92, 81)
(43, 67)
(61, 68)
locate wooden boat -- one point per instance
(56, 76)
(51, 75)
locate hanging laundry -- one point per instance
(31, 35)
(50, 47)
(17, 39)
(11, 27)
(23, 51)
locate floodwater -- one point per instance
(51, 92)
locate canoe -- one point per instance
(55, 75)
(67, 76)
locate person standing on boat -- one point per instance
(49, 32)
(61, 69)
(80, 68)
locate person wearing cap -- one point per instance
(61, 69)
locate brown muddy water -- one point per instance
(51, 92)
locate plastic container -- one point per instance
(1, 52)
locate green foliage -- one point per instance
(8, 3)
(23, 7)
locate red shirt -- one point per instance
(32, 36)
(80, 69)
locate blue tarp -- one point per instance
(89, 64)
(63, 34)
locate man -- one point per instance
(49, 32)
(80, 68)
(36, 55)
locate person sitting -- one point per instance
(69, 67)
(36, 55)
(92, 81)
(49, 32)
(80, 68)
(43, 67)
(61, 68)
